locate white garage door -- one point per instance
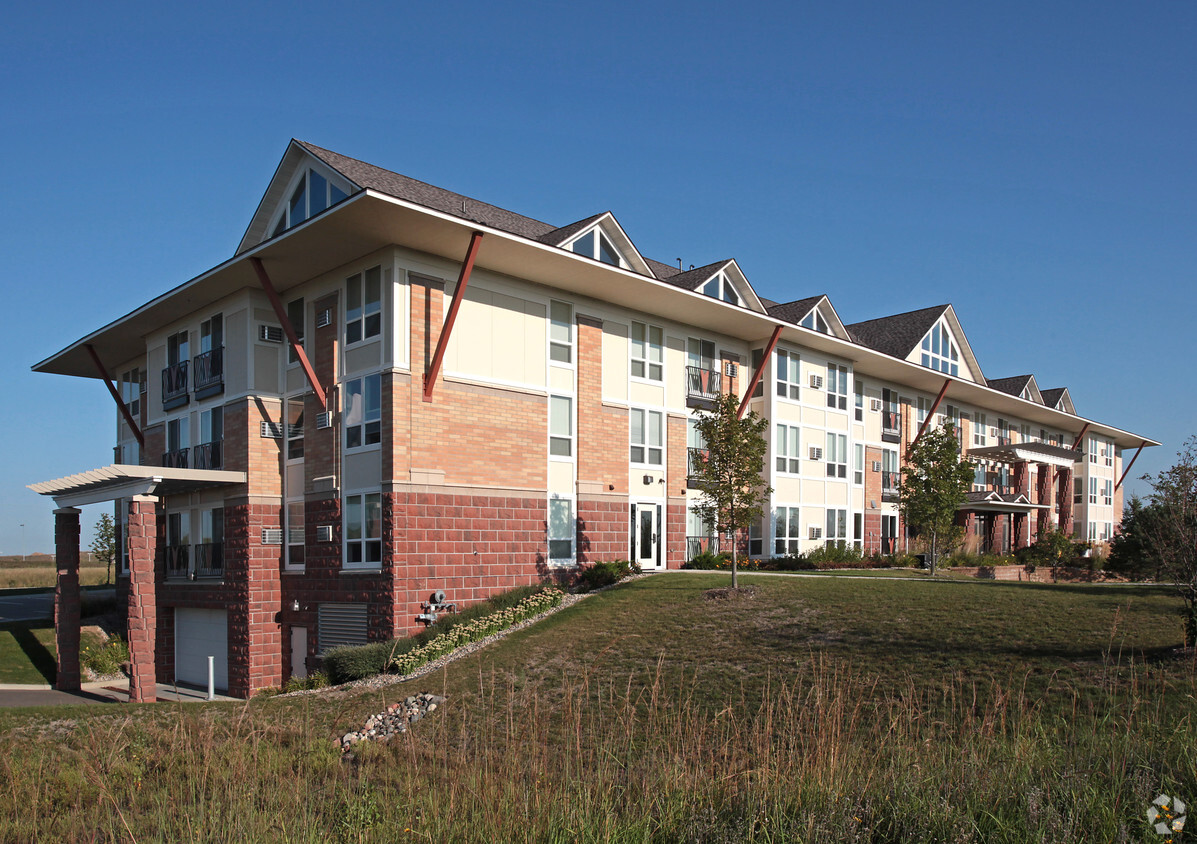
(200, 634)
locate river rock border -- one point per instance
(392, 721)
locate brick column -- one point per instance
(1022, 522)
(1064, 498)
(1045, 497)
(66, 597)
(992, 543)
(143, 604)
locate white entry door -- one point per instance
(299, 652)
(646, 535)
(200, 634)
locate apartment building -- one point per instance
(392, 389)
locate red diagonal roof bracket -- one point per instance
(289, 330)
(760, 371)
(442, 342)
(943, 391)
(1080, 438)
(1138, 451)
(124, 408)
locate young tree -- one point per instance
(103, 544)
(1170, 535)
(934, 484)
(730, 477)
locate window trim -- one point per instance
(646, 362)
(791, 386)
(364, 564)
(787, 435)
(837, 447)
(363, 445)
(366, 307)
(569, 438)
(790, 543)
(570, 343)
(572, 560)
(646, 443)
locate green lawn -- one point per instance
(819, 709)
(27, 653)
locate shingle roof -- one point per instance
(446, 201)
(896, 335)
(1013, 385)
(557, 237)
(690, 279)
(662, 270)
(1052, 397)
(792, 311)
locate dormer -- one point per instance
(931, 337)
(724, 281)
(1023, 386)
(601, 238)
(302, 187)
(815, 314)
(1058, 398)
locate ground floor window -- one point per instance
(787, 531)
(562, 531)
(363, 530)
(837, 527)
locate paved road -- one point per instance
(36, 606)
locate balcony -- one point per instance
(175, 459)
(208, 455)
(889, 486)
(891, 426)
(174, 385)
(696, 458)
(703, 385)
(209, 373)
(178, 562)
(209, 560)
(696, 545)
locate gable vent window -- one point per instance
(940, 351)
(595, 244)
(721, 287)
(311, 195)
(815, 322)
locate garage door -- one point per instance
(200, 634)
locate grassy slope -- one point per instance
(820, 709)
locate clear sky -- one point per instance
(1032, 163)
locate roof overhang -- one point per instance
(369, 221)
(120, 481)
(1030, 452)
(996, 503)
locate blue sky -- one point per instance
(1031, 163)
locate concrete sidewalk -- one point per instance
(111, 691)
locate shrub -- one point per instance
(315, 680)
(598, 575)
(356, 662)
(106, 658)
(708, 559)
(837, 552)
(1050, 549)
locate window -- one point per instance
(891, 477)
(296, 543)
(208, 452)
(1078, 490)
(939, 350)
(561, 426)
(788, 458)
(595, 244)
(758, 357)
(363, 530)
(1093, 490)
(924, 407)
(561, 332)
(209, 556)
(979, 431)
(815, 322)
(363, 411)
(132, 386)
(858, 398)
(1093, 449)
(858, 466)
(178, 442)
(177, 349)
(646, 437)
(756, 540)
(295, 315)
(312, 195)
(211, 334)
(837, 386)
(647, 351)
(837, 456)
(363, 305)
(837, 527)
(295, 430)
(700, 354)
(980, 478)
(787, 532)
(561, 531)
(788, 375)
(1108, 452)
(1003, 432)
(1107, 493)
(858, 531)
(1024, 433)
(721, 287)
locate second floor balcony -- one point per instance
(176, 459)
(696, 458)
(174, 385)
(703, 384)
(889, 486)
(178, 562)
(208, 455)
(194, 562)
(696, 545)
(891, 426)
(208, 373)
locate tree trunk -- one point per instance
(933, 549)
(735, 584)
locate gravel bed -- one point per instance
(379, 681)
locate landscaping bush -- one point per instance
(315, 680)
(598, 575)
(106, 658)
(1050, 549)
(840, 554)
(708, 560)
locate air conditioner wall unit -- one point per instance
(816, 453)
(324, 533)
(876, 465)
(816, 382)
(815, 532)
(323, 317)
(324, 420)
(875, 405)
(271, 430)
(272, 536)
(270, 333)
(731, 369)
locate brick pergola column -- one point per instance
(992, 544)
(143, 605)
(1022, 521)
(1045, 497)
(1064, 498)
(66, 597)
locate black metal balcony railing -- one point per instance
(174, 385)
(1003, 440)
(208, 455)
(178, 561)
(696, 458)
(209, 559)
(175, 459)
(703, 383)
(889, 486)
(891, 425)
(209, 372)
(695, 545)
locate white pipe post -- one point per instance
(211, 678)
